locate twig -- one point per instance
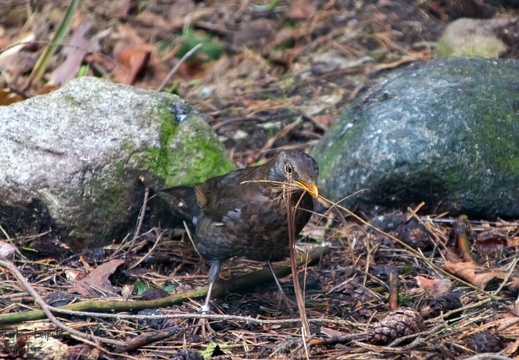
(418, 337)
(148, 338)
(142, 212)
(148, 253)
(489, 357)
(413, 251)
(46, 309)
(393, 290)
(510, 272)
(223, 287)
(460, 229)
(291, 244)
(174, 70)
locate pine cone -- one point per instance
(444, 304)
(486, 342)
(396, 325)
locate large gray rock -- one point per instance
(472, 37)
(446, 133)
(72, 159)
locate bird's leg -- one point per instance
(289, 303)
(214, 273)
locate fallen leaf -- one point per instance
(490, 242)
(75, 52)
(332, 333)
(131, 63)
(436, 287)
(323, 122)
(301, 10)
(8, 97)
(97, 279)
(149, 19)
(479, 276)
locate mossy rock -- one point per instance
(445, 133)
(80, 152)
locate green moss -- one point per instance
(188, 153)
(443, 48)
(159, 158)
(211, 48)
(108, 199)
(212, 164)
(72, 100)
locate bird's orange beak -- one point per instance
(311, 188)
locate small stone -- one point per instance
(7, 251)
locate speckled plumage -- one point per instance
(235, 215)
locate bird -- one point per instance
(244, 212)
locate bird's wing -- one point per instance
(227, 194)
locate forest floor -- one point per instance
(268, 75)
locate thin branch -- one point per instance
(223, 287)
(415, 252)
(46, 309)
(174, 70)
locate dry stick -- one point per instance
(46, 309)
(223, 287)
(174, 70)
(393, 290)
(148, 253)
(141, 218)
(305, 326)
(142, 213)
(507, 277)
(489, 357)
(148, 338)
(415, 252)
(246, 319)
(291, 244)
(460, 229)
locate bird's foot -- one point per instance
(202, 327)
(285, 302)
(205, 330)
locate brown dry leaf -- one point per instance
(490, 242)
(301, 10)
(133, 54)
(436, 287)
(474, 274)
(4, 43)
(75, 52)
(150, 19)
(102, 61)
(507, 321)
(97, 279)
(7, 97)
(324, 122)
(510, 350)
(15, 61)
(512, 242)
(131, 63)
(332, 333)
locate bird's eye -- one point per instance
(289, 169)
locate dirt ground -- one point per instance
(268, 75)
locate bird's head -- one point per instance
(297, 168)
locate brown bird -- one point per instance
(244, 213)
